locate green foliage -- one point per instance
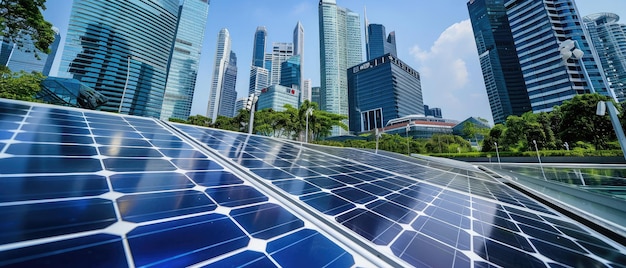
(177, 120)
(199, 120)
(580, 123)
(22, 19)
(20, 85)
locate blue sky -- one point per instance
(434, 37)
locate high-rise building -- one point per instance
(229, 90)
(290, 75)
(380, 90)
(276, 96)
(239, 104)
(222, 54)
(340, 48)
(281, 52)
(500, 65)
(539, 28)
(25, 57)
(258, 52)
(378, 43)
(305, 91)
(259, 78)
(609, 38)
(434, 112)
(185, 58)
(105, 50)
(315, 95)
(298, 49)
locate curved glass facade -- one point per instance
(122, 57)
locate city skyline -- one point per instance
(451, 81)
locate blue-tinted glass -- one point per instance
(147, 207)
(373, 227)
(272, 174)
(266, 220)
(128, 151)
(234, 196)
(308, 248)
(51, 149)
(9, 125)
(244, 259)
(196, 164)
(45, 187)
(5, 135)
(53, 138)
(135, 164)
(29, 165)
(327, 203)
(297, 187)
(214, 178)
(145, 182)
(26, 222)
(186, 241)
(392, 211)
(422, 251)
(101, 250)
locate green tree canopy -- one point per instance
(22, 19)
(579, 121)
(19, 85)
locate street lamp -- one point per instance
(408, 142)
(251, 106)
(125, 85)
(309, 111)
(378, 134)
(539, 158)
(498, 155)
(619, 132)
(569, 50)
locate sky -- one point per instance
(433, 37)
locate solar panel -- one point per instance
(82, 188)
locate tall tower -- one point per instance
(298, 49)
(183, 68)
(258, 52)
(340, 48)
(229, 91)
(539, 28)
(222, 55)
(105, 51)
(281, 52)
(500, 66)
(378, 43)
(609, 38)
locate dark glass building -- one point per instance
(500, 65)
(382, 89)
(290, 72)
(378, 43)
(258, 54)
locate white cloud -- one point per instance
(451, 76)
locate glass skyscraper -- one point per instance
(258, 53)
(259, 79)
(340, 48)
(121, 49)
(290, 75)
(23, 58)
(538, 28)
(229, 92)
(378, 43)
(382, 89)
(500, 65)
(609, 39)
(183, 68)
(281, 52)
(222, 54)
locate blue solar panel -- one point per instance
(91, 188)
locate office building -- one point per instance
(315, 95)
(281, 52)
(380, 90)
(229, 91)
(539, 28)
(502, 73)
(378, 43)
(122, 50)
(298, 48)
(276, 96)
(239, 105)
(434, 112)
(609, 38)
(258, 52)
(290, 75)
(305, 91)
(340, 49)
(259, 79)
(25, 57)
(185, 58)
(222, 54)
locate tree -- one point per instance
(19, 85)
(22, 19)
(199, 120)
(580, 122)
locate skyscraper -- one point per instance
(229, 91)
(609, 38)
(306, 90)
(380, 90)
(183, 67)
(500, 65)
(258, 53)
(259, 78)
(281, 52)
(27, 58)
(222, 54)
(539, 27)
(290, 75)
(378, 43)
(105, 50)
(276, 96)
(340, 48)
(298, 49)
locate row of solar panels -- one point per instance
(83, 188)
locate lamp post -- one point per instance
(569, 50)
(306, 134)
(539, 158)
(251, 105)
(377, 133)
(408, 142)
(498, 154)
(125, 86)
(566, 145)
(617, 127)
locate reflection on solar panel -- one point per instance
(87, 188)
